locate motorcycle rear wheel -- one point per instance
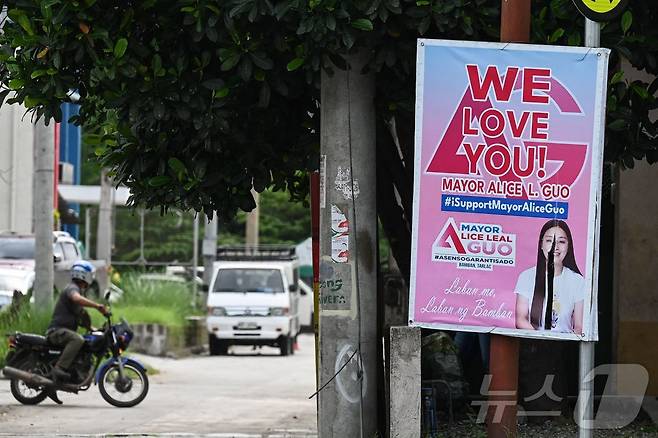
(121, 395)
(26, 394)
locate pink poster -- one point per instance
(509, 154)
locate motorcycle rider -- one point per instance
(69, 314)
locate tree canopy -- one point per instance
(191, 102)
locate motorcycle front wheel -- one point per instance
(123, 393)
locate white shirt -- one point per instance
(568, 289)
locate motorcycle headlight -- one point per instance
(278, 311)
(216, 311)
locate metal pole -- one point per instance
(87, 232)
(209, 248)
(251, 226)
(141, 259)
(44, 148)
(195, 257)
(348, 239)
(586, 352)
(104, 230)
(504, 351)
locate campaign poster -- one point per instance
(508, 162)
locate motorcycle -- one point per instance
(121, 381)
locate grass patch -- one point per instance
(152, 302)
(26, 320)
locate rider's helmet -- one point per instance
(83, 271)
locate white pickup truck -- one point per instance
(253, 298)
(17, 253)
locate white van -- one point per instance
(253, 299)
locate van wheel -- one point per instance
(285, 346)
(217, 347)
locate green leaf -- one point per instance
(156, 63)
(159, 181)
(177, 166)
(37, 73)
(574, 39)
(617, 77)
(120, 48)
(16, 84)
(57, 60)
(213, 84)
(617, 125)
(215, 9)
(3, 96)
(640, 91)
(362, 24)
(230, 63)
(295, 64)
(556, 35)
(221, 93)
(30, 102)
(261, 60)
(626, 21)
(25, 23)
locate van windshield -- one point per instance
(248, 280)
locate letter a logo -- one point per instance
(448, 239)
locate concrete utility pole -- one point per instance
(251, 226)
(44, 157)
(104, 230)
(209, 248)
(348, 262)
(504, 350)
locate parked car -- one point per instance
(18, 251)
(253, 299)
(186, 273)
(14, 279)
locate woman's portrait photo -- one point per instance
(534, 285)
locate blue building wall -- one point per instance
(70, 137)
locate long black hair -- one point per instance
(540, 274)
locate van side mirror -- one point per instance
(292, 288)
(303, 292)
(204, 288)
(57, 257)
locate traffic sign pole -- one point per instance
(586, 352)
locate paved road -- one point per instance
(256, 393)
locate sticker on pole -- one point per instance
(601, 10)
(509, 155)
